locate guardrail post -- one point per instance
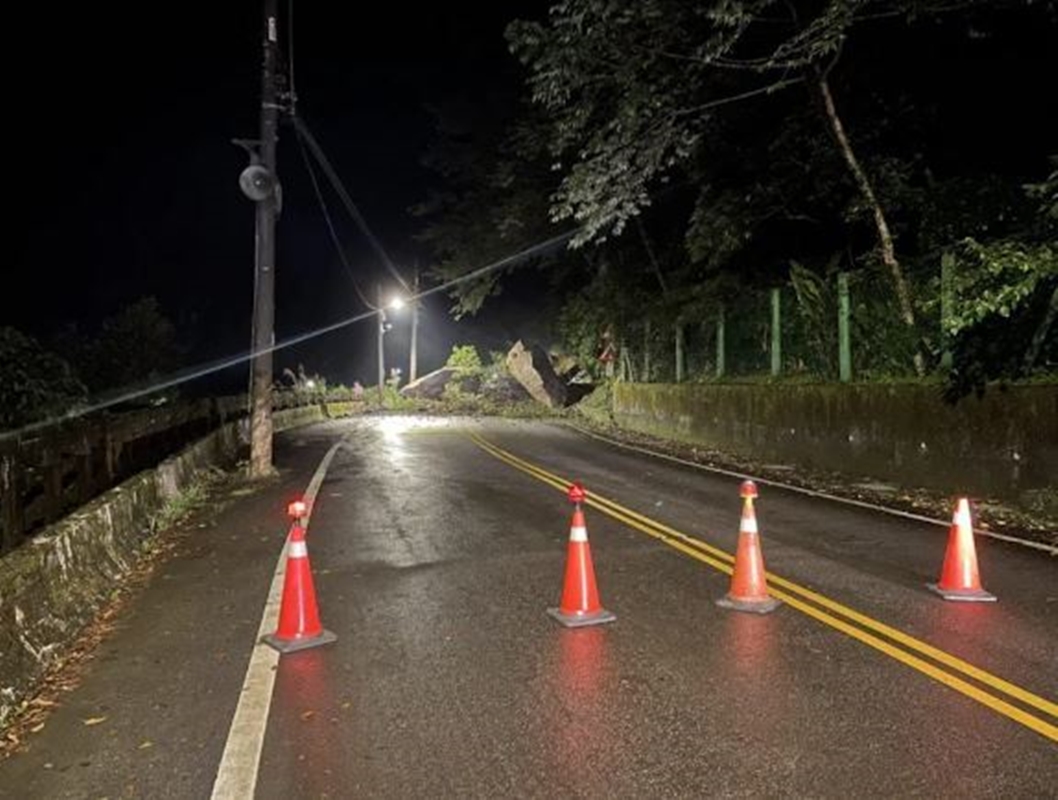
(10, 499)
(51, 468)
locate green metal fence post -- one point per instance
(776, 332)
(646, 352)
(947, 306)
(679, 352)
(844, 343)
(720, 349)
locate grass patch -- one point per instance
(192, 498)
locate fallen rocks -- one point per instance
(531, 367)
(430, 386)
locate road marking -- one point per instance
(1046, 548)
(721, 560)
(879, 627)
(237, 772)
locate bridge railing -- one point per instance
(48, 473)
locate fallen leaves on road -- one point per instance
(307, 715)
(990, 513)
(65, 673)
(94, 721)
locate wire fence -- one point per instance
(845, 326)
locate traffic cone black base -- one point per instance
(301, 643)
(963, 595)
(581, 620)
(765, 606)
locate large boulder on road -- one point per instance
(430, 386)
(531, 367)
(500, 387)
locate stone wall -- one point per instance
(53, 586)
(1003, 445)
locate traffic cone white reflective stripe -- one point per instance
(748, 523)
(578, 533)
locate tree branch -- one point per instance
(885, 238)
(772, 87)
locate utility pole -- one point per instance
(381, 348)
(413, 357)
(264, 257)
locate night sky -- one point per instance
(125, 180)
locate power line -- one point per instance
(194, 373)
(524, 255)
(330, 224)
(347, 201)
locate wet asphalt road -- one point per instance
(434, 564)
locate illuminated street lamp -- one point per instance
(395, 304)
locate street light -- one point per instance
(395, 304)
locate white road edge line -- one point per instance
(1046, 548)
(237, 772)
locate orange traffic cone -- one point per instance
(959, 579)
(580, 596)
(749, 587)
(299, 618)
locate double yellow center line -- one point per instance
(992, 691)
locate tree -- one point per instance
(1005, 296)
(636, 88)
(135, 344)
(34, 383)
(493, 196)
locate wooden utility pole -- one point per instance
(413, 357)
(381, 348)
(264, 257)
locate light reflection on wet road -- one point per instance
(448, 679)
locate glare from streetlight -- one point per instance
(397, 303)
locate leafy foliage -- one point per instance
(634, 88)
(493, 201)
(34, 383)
(701, 133)
(997, 279)
(135, 344)
(464, 356)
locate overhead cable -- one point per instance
(347, 201)
(201, 371)
(330, 224)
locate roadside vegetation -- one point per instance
(735, 174)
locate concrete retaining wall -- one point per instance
(1003, 445)
(54, 585)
